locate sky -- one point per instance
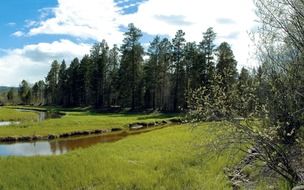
(33, 33)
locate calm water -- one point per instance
(41, 116)
(56, 147)
(6, 123)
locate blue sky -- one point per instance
(34, 32)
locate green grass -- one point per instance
(169, 158)
(72, 121)
(8, 114)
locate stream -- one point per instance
(58, 146)
(42, 115)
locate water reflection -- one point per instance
(56, 147)
(48, 115)
(43, 115)
(6, 123)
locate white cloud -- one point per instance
(18, 34)
(90, 19)
(30, 23)
(32, 62)
(197, 16)
(100, 19)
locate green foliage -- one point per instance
(207, 47)
(179, 73)
(52, 83)
(213, 103)
(130, 72)
(38, 91)
(24, 92)
(156, 74)
(226, 66)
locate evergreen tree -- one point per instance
(130, 72)
(226, 66)
(100, 58)
(179, 73)
(193, 66)
(10, 95)
(152, 73)
(24, 92)
(113, 78)
(52, 83)
(62, 84)
(163, 99)
(207, 47)
(245, 91)
(85, 80)
(73, 83)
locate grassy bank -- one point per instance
(9, 114)
(72, 121)
(163, 159)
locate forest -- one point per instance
(161, 78)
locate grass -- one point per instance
(8, 114)
(169, 158)
(72, 121)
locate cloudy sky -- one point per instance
(35, 32)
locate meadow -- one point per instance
(162, 159)
(175, 157)
(8, 114)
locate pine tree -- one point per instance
(245, 91)
(85, 78)
(130, 72)
(100, 58)
(52, 83)
(226, 66)
(113, 78)
(10, 95)
(207, 48)
(62, 84)
(193, 66)
(24, 92)
(73, 83)
(152, 72)
(178, 66)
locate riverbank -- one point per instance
(163, 159)
(75, 123)
(132, 128)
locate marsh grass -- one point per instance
(71, 121)
(161, 159)
(8, 114)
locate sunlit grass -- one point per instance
(164, 159)
(7, 114)
(72, 121)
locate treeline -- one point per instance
(163, 78)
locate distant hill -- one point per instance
(6, 88)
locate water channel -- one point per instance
(42, 115)
(56, 147)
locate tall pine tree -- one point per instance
(130, 72)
